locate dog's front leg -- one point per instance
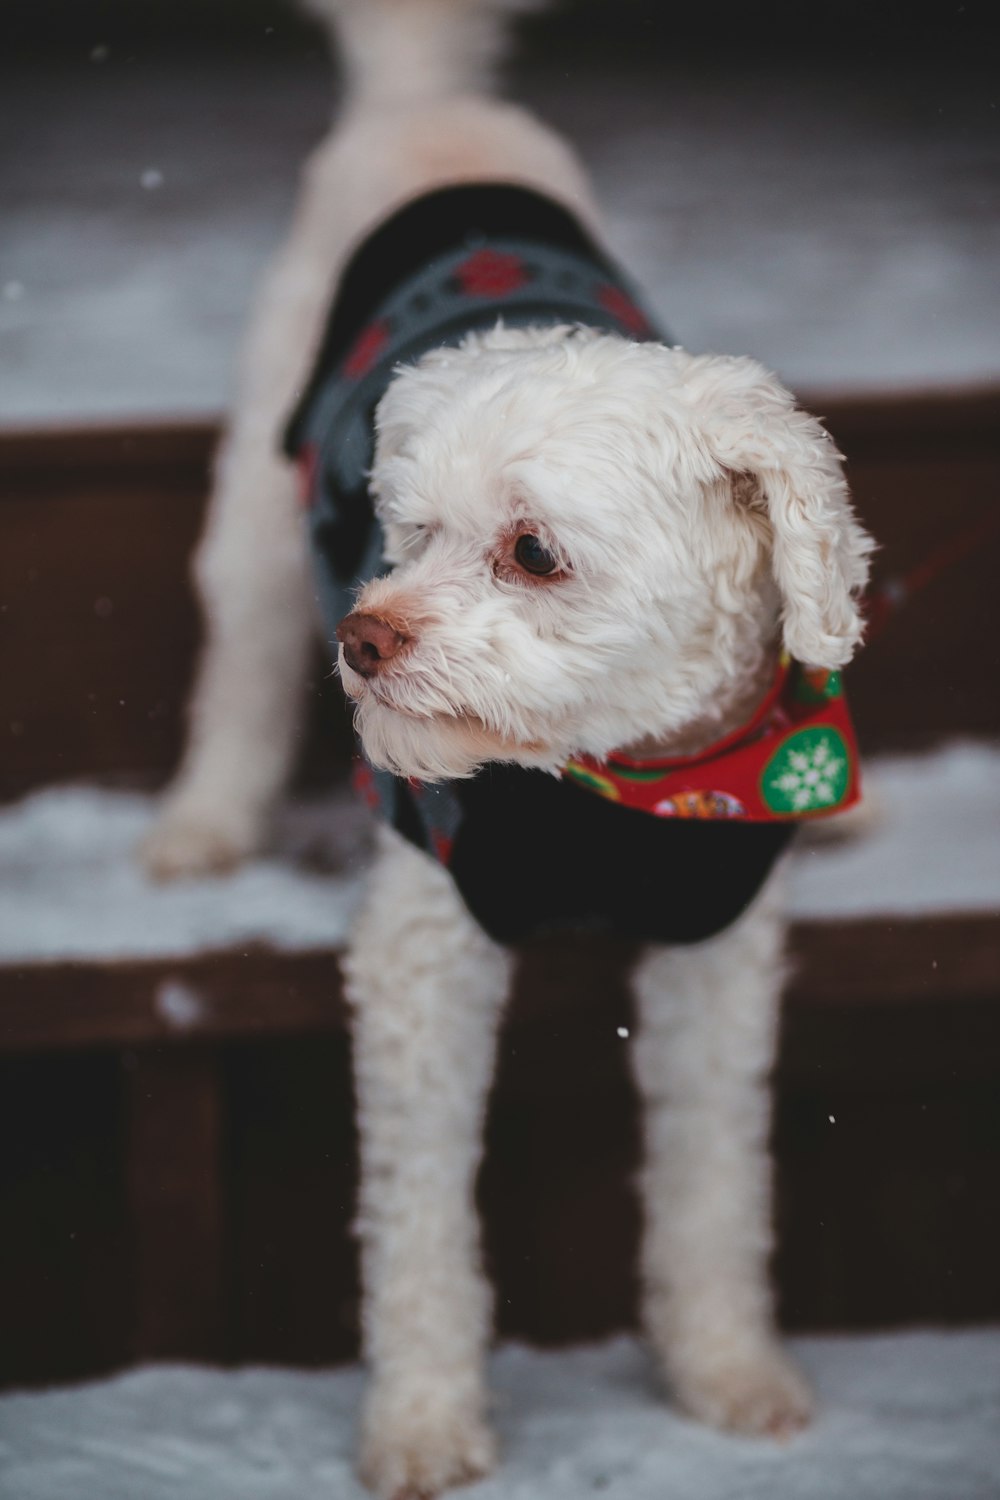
(707, 1032)
(427, 989)
(246, 711)
(255, 588)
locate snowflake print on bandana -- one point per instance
(810, 772)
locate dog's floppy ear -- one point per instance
(784, 467)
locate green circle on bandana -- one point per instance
(808, 773)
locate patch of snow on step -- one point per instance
(930, 844)
(70, 887)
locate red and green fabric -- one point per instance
(797, 758)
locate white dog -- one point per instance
(600, 548)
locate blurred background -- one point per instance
(811, 184)
(816, 185)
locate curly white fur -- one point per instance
(428, 988)
(699, 519)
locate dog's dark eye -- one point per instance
(533, 557)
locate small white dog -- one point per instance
(600, 548)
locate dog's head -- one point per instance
(595, 543)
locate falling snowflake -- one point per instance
(809, 773)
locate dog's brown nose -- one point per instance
(368, 642)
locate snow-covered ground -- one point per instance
(910, 1416)
(70, 887)
(841, 225)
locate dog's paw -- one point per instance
(760, 1396)
(415, 1450)
(184, 843)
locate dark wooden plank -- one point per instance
(172, 1136)
(291, 1186)
(257, 991)
(888, 1204)
(209, 996)
(867, 423)
(99, 623)
(935, 667)
(887, 1139)
(896, 959)
(65, 1264)
(164, 448)
(100, 626)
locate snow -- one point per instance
(841, 225)
(909, 1416)
(70, 887)
(932, 844)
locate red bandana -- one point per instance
(796, 758)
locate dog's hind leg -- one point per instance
(427, 989)
(708, 1019)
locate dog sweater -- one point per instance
(670, 851)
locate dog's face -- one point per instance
(594, 543)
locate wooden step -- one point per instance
(235, 995)
(178, 1174)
